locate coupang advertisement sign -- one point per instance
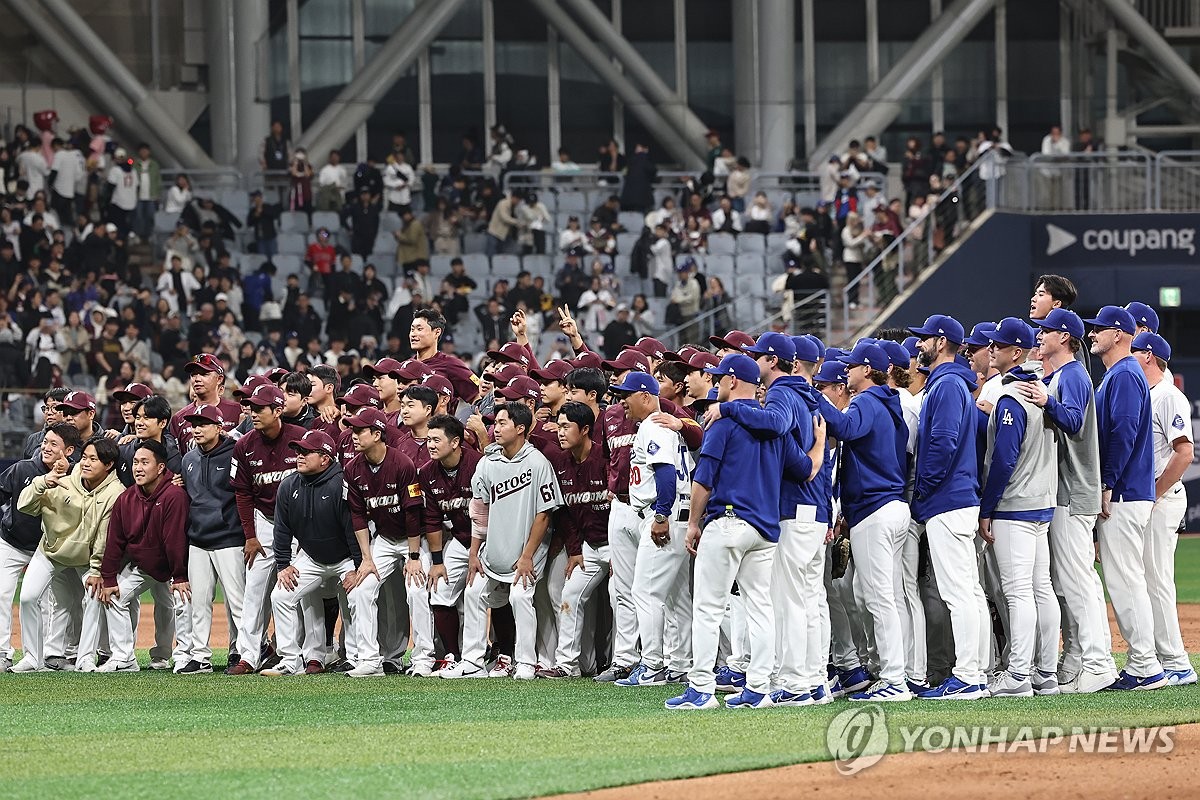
(1109, 240)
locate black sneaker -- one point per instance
(57, 663)
(393, 668)
(341, 665)
(613, 673)
(195, 667)
(270, 658)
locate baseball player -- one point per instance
(360, 396)
(1146, 320)
(1173, 452)
(20, 532)
(208, 385)
(310, 508)
(150, 419)
(446, 491)
(50, 418)
(215, 537)
(946, 500)
(383, 493)
(74, 507)
(261, 460)
(297, 411)
(1086, 664)
(384, 375)
(128, 397)
(323, 399)
(659, 485)
(147, 543)
(514, 493)
(1124, 421)
(975, 349)
(424, 337)
(1020, 481)
(79, 408)
(732, 529)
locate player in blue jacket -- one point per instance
(946, 500)
(1124, 422)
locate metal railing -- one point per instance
(1166, 14)
(708, 323)
(1108, 182)
(808, 314)
(1177, 180)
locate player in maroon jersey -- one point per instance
(424, 337)
(384, 375)
(323, 399)
(417, 407)
(261, 460)
(208, 384)
(359, 396)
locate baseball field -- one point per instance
(155, 735)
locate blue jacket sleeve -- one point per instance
(1117, 443)
(1067, 412)
(1010, 433)
(852, 424)
(664, 484)
(797, 466)
(771, 421)
(943, 412)
(835, 421)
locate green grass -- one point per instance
(153, 735)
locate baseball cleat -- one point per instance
(782, 697)
(954, 689)
(1006, 684)
(27, 664)
(367, 670)
(643, 676)
(883, 692)
(525, 672)
(820, 695)
(240, 668)
(314, 668)
(555, 673)
(421, 670)
(280, 670)
(160, 664)
(692, 700)
(118, 666)
(1137, 683)
(730, 680)
(503, 668)
(748, 698)
(1181, 677)
(676, 677)
(852, 680)
(614, 673)
(1088, 683)
(916, 687)
(1044, 683)
(57, 663)
(463, 669)
(195, 667)
(392, 667)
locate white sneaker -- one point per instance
(1005, 684)
(367, 670)
(160, 664)
(278, 671)
(1089, 683)
(1044, 683)
(525, 672)
(503, 668)
(117, 666)
(421, 671)
(444, 664)
(463, 669)
(5, 665)
(27, 664)
(85, 665)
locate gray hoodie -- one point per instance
(516, 491)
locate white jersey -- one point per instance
(653, 445)
(125, 187)
(992, 388)
(910, 406)
(1172, 419)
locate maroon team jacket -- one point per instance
(148, 531)
(388, 495)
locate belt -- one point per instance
(648, 512)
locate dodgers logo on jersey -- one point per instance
(1006, 418)
(1177, 423)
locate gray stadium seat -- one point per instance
(506, 266)
(385, 264)
(292, 243)
(723, 244)
(164, 221)
(621, 265)
(750, 264)
(390, 221)
(285, 265)
(326, 219)
(750, 243)
(719, 264)
(474, 242)
(537, 265)
(626, 242)
(384, 243)
(632, 221)
(439, 266)
(476, 265)
(776, 244)
(248, 263)
(574, 203)
(750, 284)
(293, 222)
(236, 201)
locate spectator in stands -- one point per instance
(67, 172)
(737, 185)
(726, 219)
(608, 213)
(76, 345)
(537, 221)
(121, 192)
(595, 307)
(412, 245)
(257, 290)
(179, 195)
(319, 258)
(275, 152)
(149, 190)
(303, 319)
(619, 333)
(563, 165)
(830, 179)
(503, 224)
(470, 156)
(685, 300)
(611, 160)
(915, 169)
(600, 240)
(204, 211)
(373, 286)
(845, 202)
(758, 217)
(667, 214)
(398, 179)
(854, 241)
(442, 224)
(716, 299)
(877, 153)
(637, 193)
(263, 222)
(300, 178)
(134, 348)
(368, 177)
(362, 218)
(493, 320)
(501, 152)
(696, 209)
(662, 264)
(333, 182)
(570, 282)
(572, 236)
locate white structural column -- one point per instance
(809, 54)
(295, 117)
(937, 83)
(745, 79)
(1002, 65)
(554, 92)
(777, 71)
(489, 64)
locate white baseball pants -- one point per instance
(574, 621)
(916, 659)
(1087, 641)
(456, 559)
(304, 603)
(877, 543)
(548, 604)
(731, 549)
(43, 577)
(12, 566)
(390, 557)
(1022, 553)
(487, 592)
(952, 551)
(131, 582)
(256, 600)
(624, 535)
(798, 601)
(660, 584)
(205, 569)
(1162, 536)
(1123, 554)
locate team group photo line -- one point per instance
(918, 517)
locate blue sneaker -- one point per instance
(1181, 677)
(730, 680)
(820, 695)
(782, 697)
(917, 688)
(1132, 683)
(749, 699)
(883, 692)
(854, 679)
(691, 700)
(643, 676)
(954, 689)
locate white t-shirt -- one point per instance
(125, 187)
(652, 445)
(1172, 418)
(992, 388)
(398, 179)
(910, 407)
(68, 171)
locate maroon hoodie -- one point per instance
(150, 532)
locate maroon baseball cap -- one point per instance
(629, 359)
(702, 360)
(649, 346)
(511, 353)
(684, 355)
(384, 366)
(587, 359)
(504, 375)
(734, 340)
(523, 386)
(362, 394)
(266, 394)
(205, 362)
(79, 401)
(206, 415)
(252, 383)
(276, 374)
(133, 393)
(368, 418)
(553, 371)
(439, 385)
(413, 369)
(315, 442)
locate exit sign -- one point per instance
(1169, 296)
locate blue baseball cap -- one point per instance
(940, 325)
(1014, 332)
(1060, 319)
(1154, 344)
(638, 382)
(1114, 317)
(739, 366)
(910, 344)
(1143, 315)
(867, 354)
(834, 353)
(773, 344)
(895, 353)
(815, 340)
(706, 401)
(808, 348)
(831, 372)
(978, 336)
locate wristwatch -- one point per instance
(659, 519)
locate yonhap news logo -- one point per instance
(859, 738)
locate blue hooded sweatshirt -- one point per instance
(790, 404)
(1123, 419)
(947, 444)
(874, 440)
